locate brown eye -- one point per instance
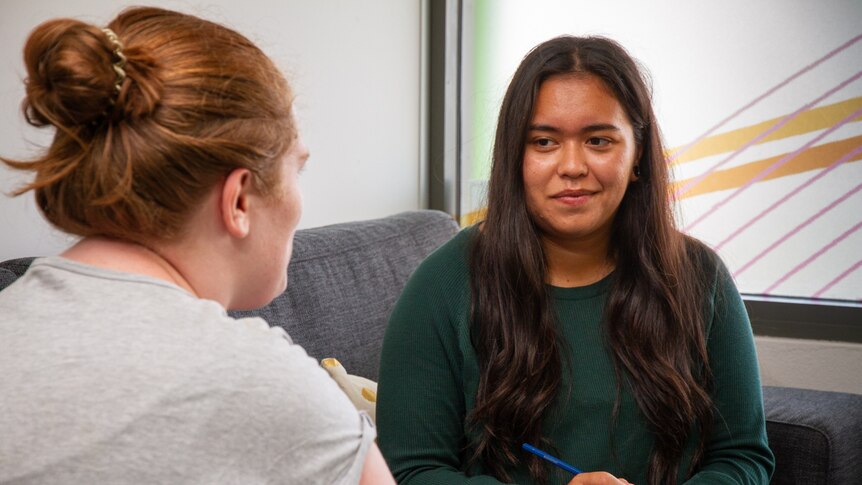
(598, 142)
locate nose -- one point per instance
(572, 163)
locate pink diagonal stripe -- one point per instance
(790, 195)
(768, 170)
(813, 257)
(797, 229)
(691, 183)
(838, 278)
(764, 96)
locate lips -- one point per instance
(573, 197)
(572, 193)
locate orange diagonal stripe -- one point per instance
(814, 158)
(811, 120)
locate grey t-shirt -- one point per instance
(109, 377)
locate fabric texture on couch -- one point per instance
(6, 277)
(11, 269)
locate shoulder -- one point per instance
(723, 305)
(266, 394)
(275, 375)
(707, 265)
(248, 354)
(447, 268)
(436, 299)
(701, 255)
(453, 253)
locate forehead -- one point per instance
(577, 97)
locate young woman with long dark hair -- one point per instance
(575, 317)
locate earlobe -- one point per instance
(235, 200)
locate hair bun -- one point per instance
(71, 80)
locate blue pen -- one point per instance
(553, 459)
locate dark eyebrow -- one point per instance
(586, 129)
(600, 127)
(543, 128)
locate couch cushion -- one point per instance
(815, 435)
(344, 279)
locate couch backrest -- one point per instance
(11, 269)
(343, 281)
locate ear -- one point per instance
(636, 168)
(235, 200)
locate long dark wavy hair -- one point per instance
(653, 322)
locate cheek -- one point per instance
(297, 206)
(533, 178)
(288, 251)
(293, 205)
(292, 215)
(615, 170)
(530, 193)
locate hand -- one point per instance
(597, 478)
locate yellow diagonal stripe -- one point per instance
(813, 158)
(811, 120)
(473, 217)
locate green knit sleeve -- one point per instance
(738, 450)
(420, 406)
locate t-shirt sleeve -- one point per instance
(282, 419)
(738, 450)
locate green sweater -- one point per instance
(429, 376)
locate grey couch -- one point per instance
(344, 280)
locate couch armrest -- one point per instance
(816, 435)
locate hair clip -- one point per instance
(119, 59)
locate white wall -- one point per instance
(354, 66)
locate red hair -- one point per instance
(198, 100)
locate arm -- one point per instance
(738, 450)
(420, 407)
(375, 471)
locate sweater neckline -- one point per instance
(582, 292)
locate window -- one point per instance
(760, 106)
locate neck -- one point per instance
(576, 263)
(127, 257)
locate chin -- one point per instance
(281, 288)
(259, 298)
